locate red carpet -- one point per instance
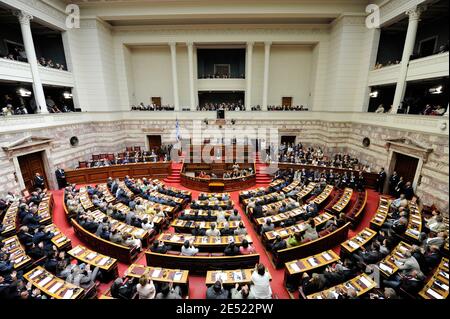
(197, 288)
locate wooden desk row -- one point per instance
(306, 191)
(107, 264)
(84, 199)
(277, 205)
(107, 196)
(10, 219)
(177, 200)
(134, 170)
(414, 227)
(389, 265)
(45, 209)
(202, 263)
(157, 220)
(176, 239)
(156, 206)
(343, 200)
(218, 196)
(310, 263)
(187, 225)
(437, 285)
(265, 197)
(357, 241)
(291, 186)
(61, 241)
(251, 193)
(53, 286)
(211, 202)
(231, 277)
(361, 283)
(324, 195)
(281, 217)
(204, 213)
(222, 184)
(18, 256)
(381, 214)
(287, 231)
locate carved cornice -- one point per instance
(408, 147)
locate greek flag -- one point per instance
(177, 132)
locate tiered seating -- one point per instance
(251, 193)
(230, 277)
(305, 191)
(361, 283)
(278, 218)
(277, 205)
(85, 200)
(326, 240)
(356, 212)
(158, 221)
(285, 232)
(291, 186)
(53, 286)
(45, 209)
(218, 196)
(204, 243)
(18, 256)
(122, 253)
(356, 242)
(322, 197)
(381, 214)
(10, 220)
(271, 197)
(343, 200)
(295, 268)
(437, 285)
(388, 265)
(107, 264)
(161, 275)
(61, 241)
(199, 214)
(186, 226)
(208, 204)
(414, 227)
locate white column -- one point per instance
(266, 74)
(38, 90)
(190, 47)
(248, 76)
(414, 17)
(173, 54)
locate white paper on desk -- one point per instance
(327, 256)
(365, 281)
(444, 274)
(35, 274)
(368, 233)
(10, 240)
(178, 275)
(139, 232)
(55, 287)
(284, 233)
(175, 238)
(353, 244)
(77, 250)
(60, 239)
(312, 261)
(103, 261)
(18, 260)
(295, 267)
(385, 268)
(68, 294)
(91, 255)
(360, 239)
(442, 285)
(44, 281)
(434, 294)
(156, 273)
(237, 275)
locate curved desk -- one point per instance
(134, 170)
(215, 184)
(201, 262)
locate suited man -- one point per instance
(39, 181)
(393, 181)
(61, 177)
(408, 191)
(380, 180)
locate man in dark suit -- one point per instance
(408, 191)
(380, 180)
(61, 177)
(39, 181)
(393, 181)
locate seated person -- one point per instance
(231, 249)
(240, 230)
(260, 288)
(279, 243)
(246, 248)
(216, 291)
(188, 249)
(241, 292)
(169, 292)
(212, 231)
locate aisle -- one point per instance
(197, 288)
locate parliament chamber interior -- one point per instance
(213, 149)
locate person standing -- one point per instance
(39, 181)
(380, 180)
(393, 181)
(61, 177)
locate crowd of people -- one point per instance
(152, 107)
(220, 76)
(18, 107)
(226, 106)
(18, 54)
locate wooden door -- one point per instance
(288, 139)
(286, 101)
(406, 166)
(154, 142)
(156, 100)
(31, 164)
